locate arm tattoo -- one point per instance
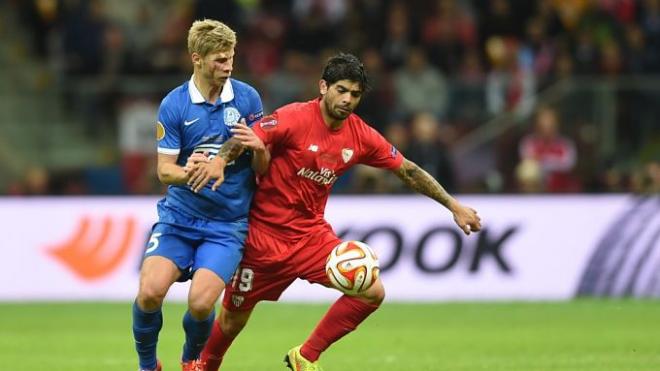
(230, 150)
(421, 181)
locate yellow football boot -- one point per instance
(296, 362)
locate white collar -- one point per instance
(197, 97)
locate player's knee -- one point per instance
(150, 297)
(375, 295)
(231, 323)
(200, 308)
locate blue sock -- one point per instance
(146, 326)
(197, 332)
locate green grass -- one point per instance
(581, 335)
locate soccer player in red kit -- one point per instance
(311, 144)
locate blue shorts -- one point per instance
(193, 243)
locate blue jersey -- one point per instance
(187, 124)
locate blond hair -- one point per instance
(209, 35)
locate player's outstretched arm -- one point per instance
(421, 181)
(169, 172)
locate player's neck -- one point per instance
(211, 93)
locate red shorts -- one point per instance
(270, 264)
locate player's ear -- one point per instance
(196, 59)
(323, 87)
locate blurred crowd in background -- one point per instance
(499, 96)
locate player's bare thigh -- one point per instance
(205, 290)
(156, 276)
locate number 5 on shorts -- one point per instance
(153, 243)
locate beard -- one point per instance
(337, 114)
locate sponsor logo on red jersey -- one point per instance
(268, 122)
(324, 176)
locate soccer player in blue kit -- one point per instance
(203, 218)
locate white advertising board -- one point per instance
(531, 247)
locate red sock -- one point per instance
(215, 348)
(342, 317)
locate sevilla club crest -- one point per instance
(346, 154)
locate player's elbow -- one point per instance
(166, 175)
(261, 162)
(260, 169)
(161, 174)
(163, 180)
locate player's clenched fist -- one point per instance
(247, 137)
(466, 218)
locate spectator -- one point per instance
(650, 23)
(499, 19)
(397, 41)
(374, 106)
(429, 152)
(637, 59)
(446, 33)
(286, 84)
(529, 177)
(556, 155)
(510, 85)
(538, 48)
(420, 87)
(366, 179)
(316, 20)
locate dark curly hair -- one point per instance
(345, 66)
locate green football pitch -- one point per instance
(580, 335)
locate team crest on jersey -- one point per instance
(231, 116)
(237, 300)
(160, 130)
(346, 154)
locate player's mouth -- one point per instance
(343, 110)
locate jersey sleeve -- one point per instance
(256, 110)
(168, 130)
(273, 129)
(378, 151)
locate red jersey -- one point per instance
(557, 157)
(307, 157)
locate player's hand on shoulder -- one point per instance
(247, 137)
(466, 218)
